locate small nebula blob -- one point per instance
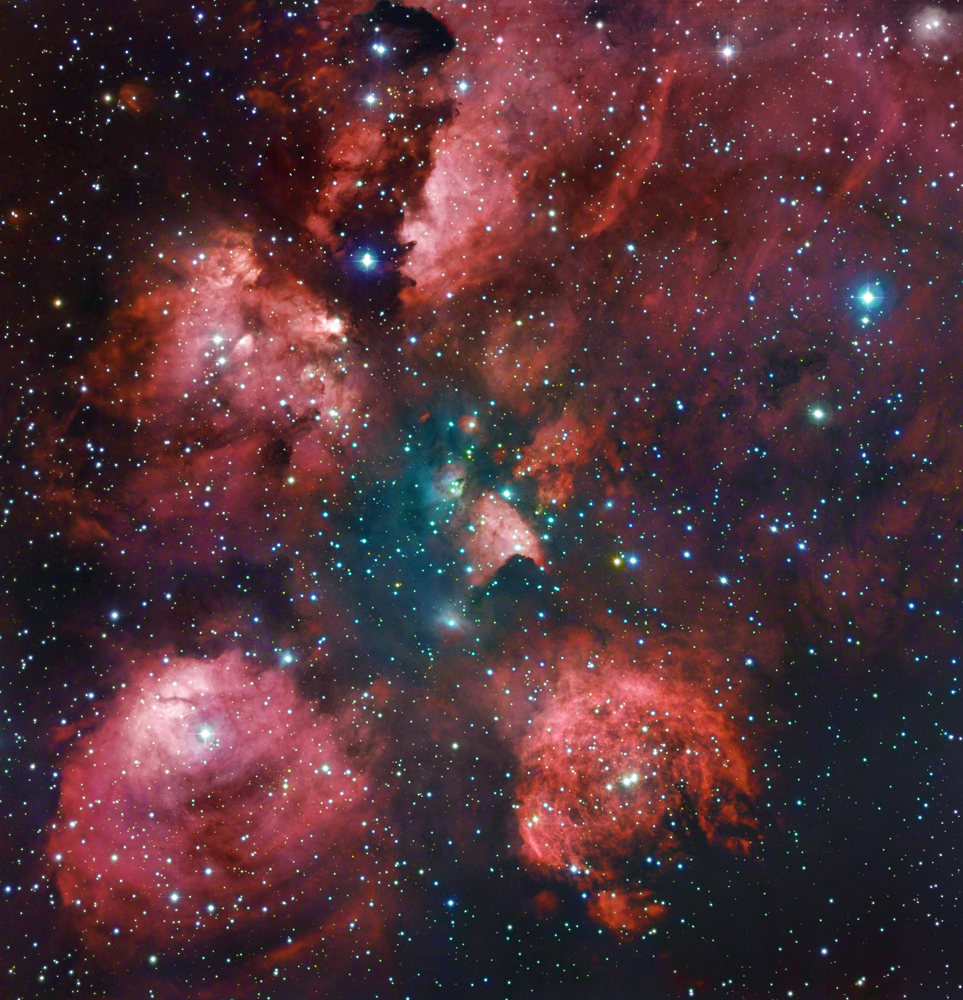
(628, 912)
(449, 481)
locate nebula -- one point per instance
(483, 497)
(246, 399)
(634, 758)
(627, 762)
(208, 799)
(497, 533)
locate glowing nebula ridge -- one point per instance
(497, 533)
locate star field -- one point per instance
(481, 499)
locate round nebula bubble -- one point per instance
(623, 762)
(209, 801)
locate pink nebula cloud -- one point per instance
(206, 802)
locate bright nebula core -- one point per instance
(203, 779)
(481, 499)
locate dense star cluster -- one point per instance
(481, 499)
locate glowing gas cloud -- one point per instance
(475, 468)
(208, 800)
(627, 760)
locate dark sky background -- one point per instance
(482, 493)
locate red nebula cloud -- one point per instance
(559, 451)
(628, 759)
(626, 912)
(477, 201)
(242, 393)
(208, 803)
(495, 534)
(135, 97)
